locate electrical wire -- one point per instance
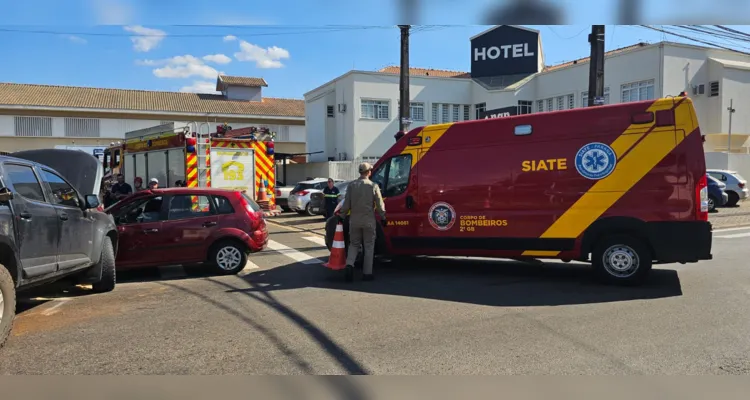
(706, 42)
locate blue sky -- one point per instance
(89, 44)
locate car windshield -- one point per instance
(303, 186)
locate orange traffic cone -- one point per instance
(337, 259)
(262, 194)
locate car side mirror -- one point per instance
(91, 201)
(5, 195)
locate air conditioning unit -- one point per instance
(699, 89)
(342, 107)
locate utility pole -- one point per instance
(729, 136)
(405, 109)
(596, 67)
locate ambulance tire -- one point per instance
(621, 260)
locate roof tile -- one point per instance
(243, 81)
(15, 94)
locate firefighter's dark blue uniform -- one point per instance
(331, 200)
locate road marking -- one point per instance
(249, 268)
(292, 253)
(736, 235)
(172, 271)
(316, 239)
(55, 308)
(741, 228)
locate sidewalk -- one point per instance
(723, 218)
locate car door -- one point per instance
(191, 220)
(76, 226)
(401, 201)
(141, 238)
(37, 223)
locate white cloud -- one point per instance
(186, 71)
(147, 38)
(263, 58)
(230, 38)
(76, 39)
(112, 12)
(200, 87)
(217, 58)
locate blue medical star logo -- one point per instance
(595, 160)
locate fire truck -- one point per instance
(240, 159)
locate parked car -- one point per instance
(174, 226)
(299, 197)
(317, 199)
(736, 185)
(282, 195)
(717, 197)
(49, 231)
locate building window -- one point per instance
(560, 103)
(375, 109)
(416, 111)
(549, 105)
(329, 112)
(713, 89)
(283, 134)
(435, 113)
(585, 97)
(444, 113)
(571, 102)
(638, 91)
(467, 112)
(480, 108)
(82, 127)
(456, 113)
(524, 107)
(540, 105)
(33, 126)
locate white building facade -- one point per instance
(356, 115)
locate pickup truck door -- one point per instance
(76, 226)
(36, 221)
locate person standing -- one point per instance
(331, 194)
(361, 197)
(118, 191)
(153, 183)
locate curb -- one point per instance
(720, 227)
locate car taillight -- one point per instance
(741, 185)
(701, 199)
(278, 193)
(303, 193)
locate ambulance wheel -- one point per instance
(621, 260)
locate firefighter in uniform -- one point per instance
(362, 196)
(331, 194)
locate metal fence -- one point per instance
(348, 170)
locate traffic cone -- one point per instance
(262, 193)
(337, 259)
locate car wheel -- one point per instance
(7, 304)
(734, 198)
(107, 264)
(229, 257)
(621, 260)
(711, 203)
(308, 210)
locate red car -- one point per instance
(187, 226)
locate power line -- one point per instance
(694, 39)
(109, 34)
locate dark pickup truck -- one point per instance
(49, 231)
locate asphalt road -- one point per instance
(287, 314)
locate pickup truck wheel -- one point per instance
(107, 264)
(228, 257)
(622, 260)
(7, 304)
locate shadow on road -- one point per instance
(493, 283)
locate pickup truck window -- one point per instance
(62, 193)
(24, 181)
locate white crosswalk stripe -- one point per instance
(735, 233)
(319, 240)
(292, 253)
